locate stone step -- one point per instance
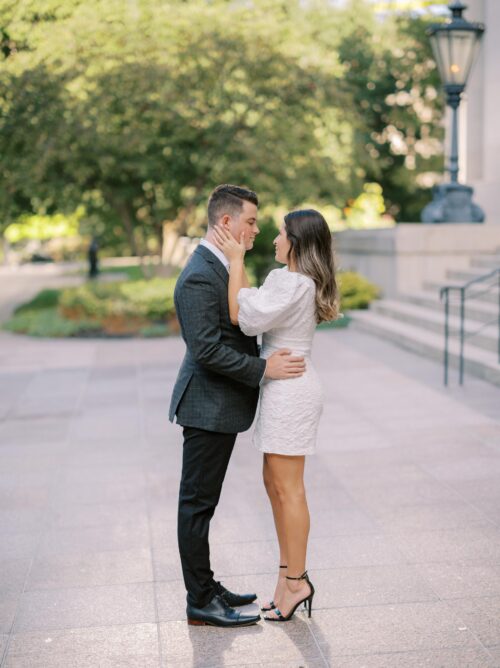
(433, 321)
(486, 292)
(477, 362)
(486, 262)
(465, 275)
(481, 311)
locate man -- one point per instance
(215, 397)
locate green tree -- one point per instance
(149, 108)
(138, 109)
(397, 108)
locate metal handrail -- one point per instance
(445, 292)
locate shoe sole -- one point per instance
(199, 622)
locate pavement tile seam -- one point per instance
(93, 586)
(27, 632)
(401, 652)
(3, 653)
(144, 444)
(394, 652)
(316, 643)
(380, 531)
(49, 629)
(467, 598)
(411, 615)
(214, 541)
(318, 646)
(258, 574)
(448, 597)
(43, 523)
(155, 589)
(424, 657)
(348, 471)
(18, 604)
(363, 606)
(471, 631)
(367, 606)
(18, 417)
(446, 562)
(488, 520)
(466, 500)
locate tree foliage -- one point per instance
(138, 109)
(397, 110)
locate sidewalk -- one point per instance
(21, 283)
(404, 494)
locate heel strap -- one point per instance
(302, 577)
(283, 566)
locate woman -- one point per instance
(286, 310)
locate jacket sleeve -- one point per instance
(197, 306)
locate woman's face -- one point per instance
(282, 245)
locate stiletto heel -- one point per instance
(271, 606)
(307, 601)
(309, 606)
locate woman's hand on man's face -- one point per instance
(225, 242)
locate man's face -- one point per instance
(245, 224)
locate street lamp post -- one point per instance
(455, 43)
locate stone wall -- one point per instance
(401, 259)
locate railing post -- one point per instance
(499, 316)
(446, 331)
(462, 333)
(445, 292)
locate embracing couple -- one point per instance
(224, 374)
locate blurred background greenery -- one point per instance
(118, 117)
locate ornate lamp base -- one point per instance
(452, 203)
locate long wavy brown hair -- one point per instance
(312, 252)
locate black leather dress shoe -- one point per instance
(218, 613)
(234, 599)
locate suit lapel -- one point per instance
(214, 262)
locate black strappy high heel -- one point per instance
(271, 605)
(307, 601)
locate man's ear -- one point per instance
(225, 220)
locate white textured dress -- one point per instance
(283, 311)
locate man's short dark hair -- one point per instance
(228, 199)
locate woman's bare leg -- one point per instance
(287, 478)
(276, 506)
(278, 523)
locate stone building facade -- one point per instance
(480, 114)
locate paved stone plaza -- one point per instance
(404, 495)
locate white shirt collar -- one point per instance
(218, 253)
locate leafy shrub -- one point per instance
(44, 299)
(154, 331)
(356, 291)
(144, 308)
(341, 323)
(149, 300)
(48, 323)
(79, 302)
(153, 299)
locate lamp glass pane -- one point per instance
(454, 51)
(440, 49)
(462, 43)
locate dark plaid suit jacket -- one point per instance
(217, 387)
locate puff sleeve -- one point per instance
(262, 309)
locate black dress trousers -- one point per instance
(205, 459)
